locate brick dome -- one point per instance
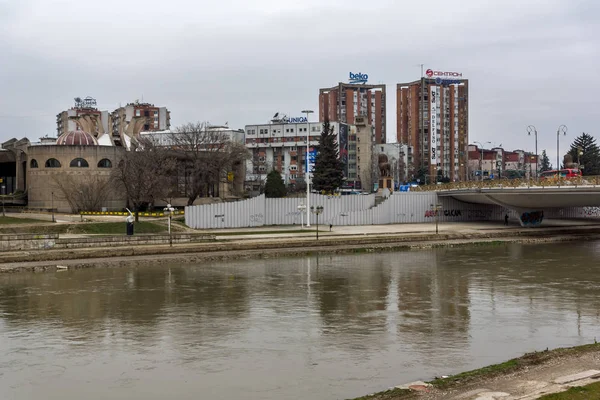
(77, 138)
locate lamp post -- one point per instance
(306, 173)
(53, 219)
(563, 129)
(317, 210)
(481, 168)
(436, 209)
(169, 211)
(531, 129)
(302, 209)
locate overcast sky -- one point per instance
(240, 61)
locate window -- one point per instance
(104, 163)
(52, 163)
(33, 164)
(137, 113)
(156, 113)
(79, 163)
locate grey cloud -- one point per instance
(238, 61)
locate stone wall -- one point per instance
(53, 241)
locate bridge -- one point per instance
(528, 198)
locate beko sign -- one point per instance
(431, 74)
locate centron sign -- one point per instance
(431, 73)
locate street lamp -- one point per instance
(306, 174)
(531, 129)
(436, 209)
(481, 166)
(318, 210)
(168, 210)
(563, 129)
(302, 209)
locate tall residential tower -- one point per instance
(346, 101)
(433, 118)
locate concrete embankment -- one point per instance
(253, 244)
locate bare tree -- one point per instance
(88, 194)
(208, 155)
(145, 174)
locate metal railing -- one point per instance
(513, 183)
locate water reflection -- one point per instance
(324, 327)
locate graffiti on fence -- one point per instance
(445, 213)
(532, 218)
(256, 218)
(590, 211)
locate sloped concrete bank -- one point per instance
(185, 253)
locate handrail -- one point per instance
(513, 183)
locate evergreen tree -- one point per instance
(545, 163)
(275, 186)
(586, 153)
(328, 174)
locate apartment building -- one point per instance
(281, 145)
(346, 101)
(432, 117)
(497, 162)
(136, 117)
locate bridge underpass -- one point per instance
(529, 202)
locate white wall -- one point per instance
(343, 210)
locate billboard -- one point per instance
(433, 126)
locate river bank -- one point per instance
(282, 242)
(532, 376)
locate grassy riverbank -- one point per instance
(24, 225)
(13, 220)
(497, 371)
(588, 392)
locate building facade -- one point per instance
(135, 117)
(83, 116)
(346, 101)
(498, 163)
(281, 145)
(433, 120)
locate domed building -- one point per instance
(77, 138)
(65, 174)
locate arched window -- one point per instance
(104, 163)
(79, 163)
(33, 163)
(52, 163)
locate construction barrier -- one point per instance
(142, 214)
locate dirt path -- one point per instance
(528, 378)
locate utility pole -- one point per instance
(422, 122)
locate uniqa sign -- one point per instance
(431, 73)
(358, 78)
(297, 120)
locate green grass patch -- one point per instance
(591, 391)
(115, 228)
(13, 220)
(392, 394)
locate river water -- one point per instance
(307, 328)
